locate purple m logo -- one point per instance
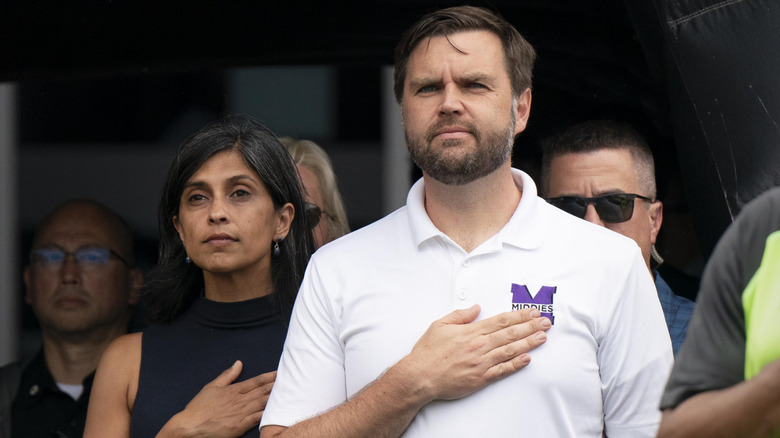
(522, 299)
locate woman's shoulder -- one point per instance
(114, 388)
(123, 356)
(125, 346)
(122, 361)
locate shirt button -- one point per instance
(466, 263)
(462, 294)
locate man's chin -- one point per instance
(460, 176)
(454, 178)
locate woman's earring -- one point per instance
(187, 260)
(277, 250)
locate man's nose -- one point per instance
(70, 270)
(452, 100)
(592, 216)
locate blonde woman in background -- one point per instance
(321, 189)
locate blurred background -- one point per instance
(96, 96)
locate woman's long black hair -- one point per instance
(173, 284)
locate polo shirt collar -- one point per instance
(420, 224)
(35, 382)
(526, 228)
(529, 224)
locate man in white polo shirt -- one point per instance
(362, 357)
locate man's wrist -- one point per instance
(409, 384)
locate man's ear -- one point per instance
(656, 219)
(522, 110)
(26, 275)
(136, 281)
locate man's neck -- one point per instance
(472, 213)
(71, 360)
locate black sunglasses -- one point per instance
(313, 214)
(612, 208)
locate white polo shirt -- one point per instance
(369, 296)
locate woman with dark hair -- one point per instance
(233, 250)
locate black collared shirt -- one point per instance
(42, 410)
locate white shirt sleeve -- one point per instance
(310, 378)
(635, 356)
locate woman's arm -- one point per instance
(223, 408)
(114, 388)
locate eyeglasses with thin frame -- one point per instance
(612, 208)
(90, 257)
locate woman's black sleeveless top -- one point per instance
(179, 358)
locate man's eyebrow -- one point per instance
(611, 192)
(465, 78)
(420, 82)
(475, 77)
(87, 245)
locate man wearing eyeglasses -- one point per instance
(603, 172)
(82, 284)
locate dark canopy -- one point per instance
(697, 77)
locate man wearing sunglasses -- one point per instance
(82, 284)
(603, 172)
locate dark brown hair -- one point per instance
(173, 285)
(595, 135)
(519, 55)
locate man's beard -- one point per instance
(492, 149)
